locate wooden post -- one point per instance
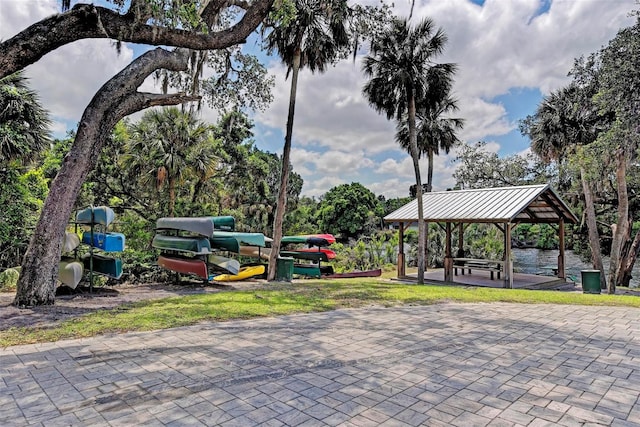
(508, 266)
(460, 240)
(401, 263)
(426, 247)
(448, 259)
(561, 272)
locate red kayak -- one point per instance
(328, 252)
(310, 239)
(184, 265)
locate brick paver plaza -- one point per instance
(446, 364)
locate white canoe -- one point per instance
(255, 252)
(228, 264)
(70, 241)
(70, 273)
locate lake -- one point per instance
(533, 261)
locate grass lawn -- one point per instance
(273, 300)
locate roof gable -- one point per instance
(527, 203)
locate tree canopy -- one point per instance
(591, 130)
(348, 211)
(24, 122)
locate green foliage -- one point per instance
(484, 241)
(21, 196)
(216, 168)
(23, 136)
(367, 253)
(24, 122)
(619, 80)
(590, 128)
(479, 168)
(138, 231)
(303, 219)
(284, 13)
(540, 236)
(9, 279)
(316, 32)
(349, 210)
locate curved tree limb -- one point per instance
(85, 21)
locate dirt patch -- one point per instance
(83, 301)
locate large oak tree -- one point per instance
(196, 27)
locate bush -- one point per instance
(9, 279)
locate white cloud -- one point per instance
(67, 78)
(391, 188)
(318, 187)
(330, 111)
(482, 118)
(330, 162)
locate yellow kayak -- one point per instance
(243, 273)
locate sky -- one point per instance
(509, 53)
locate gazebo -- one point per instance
(505, 207)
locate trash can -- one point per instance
(590, 281)
(284, 269)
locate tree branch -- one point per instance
(95, 22)
(140, 101)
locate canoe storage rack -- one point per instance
(93, 224)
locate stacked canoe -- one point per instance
(308, 260)
(97, 237)
(70, 270)
(198, 245)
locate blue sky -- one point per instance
(510, 53)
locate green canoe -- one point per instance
(191, 244)
(306, 270)
(105, 265)
(204, 225)
(309, 256)
(231, 241)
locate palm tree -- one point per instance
(23, 122)
(168, 146)
(434, 131)
(313, 38)
(564, 120)
(402, 73)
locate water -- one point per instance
(532, 261)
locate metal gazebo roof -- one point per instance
(527, 203)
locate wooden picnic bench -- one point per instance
(469, 264)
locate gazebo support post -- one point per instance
(508, 266)
(561, 271)
(426, 246)
(401, 263)
(448, 259)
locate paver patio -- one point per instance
(446, 364)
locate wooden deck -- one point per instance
(483, 278)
